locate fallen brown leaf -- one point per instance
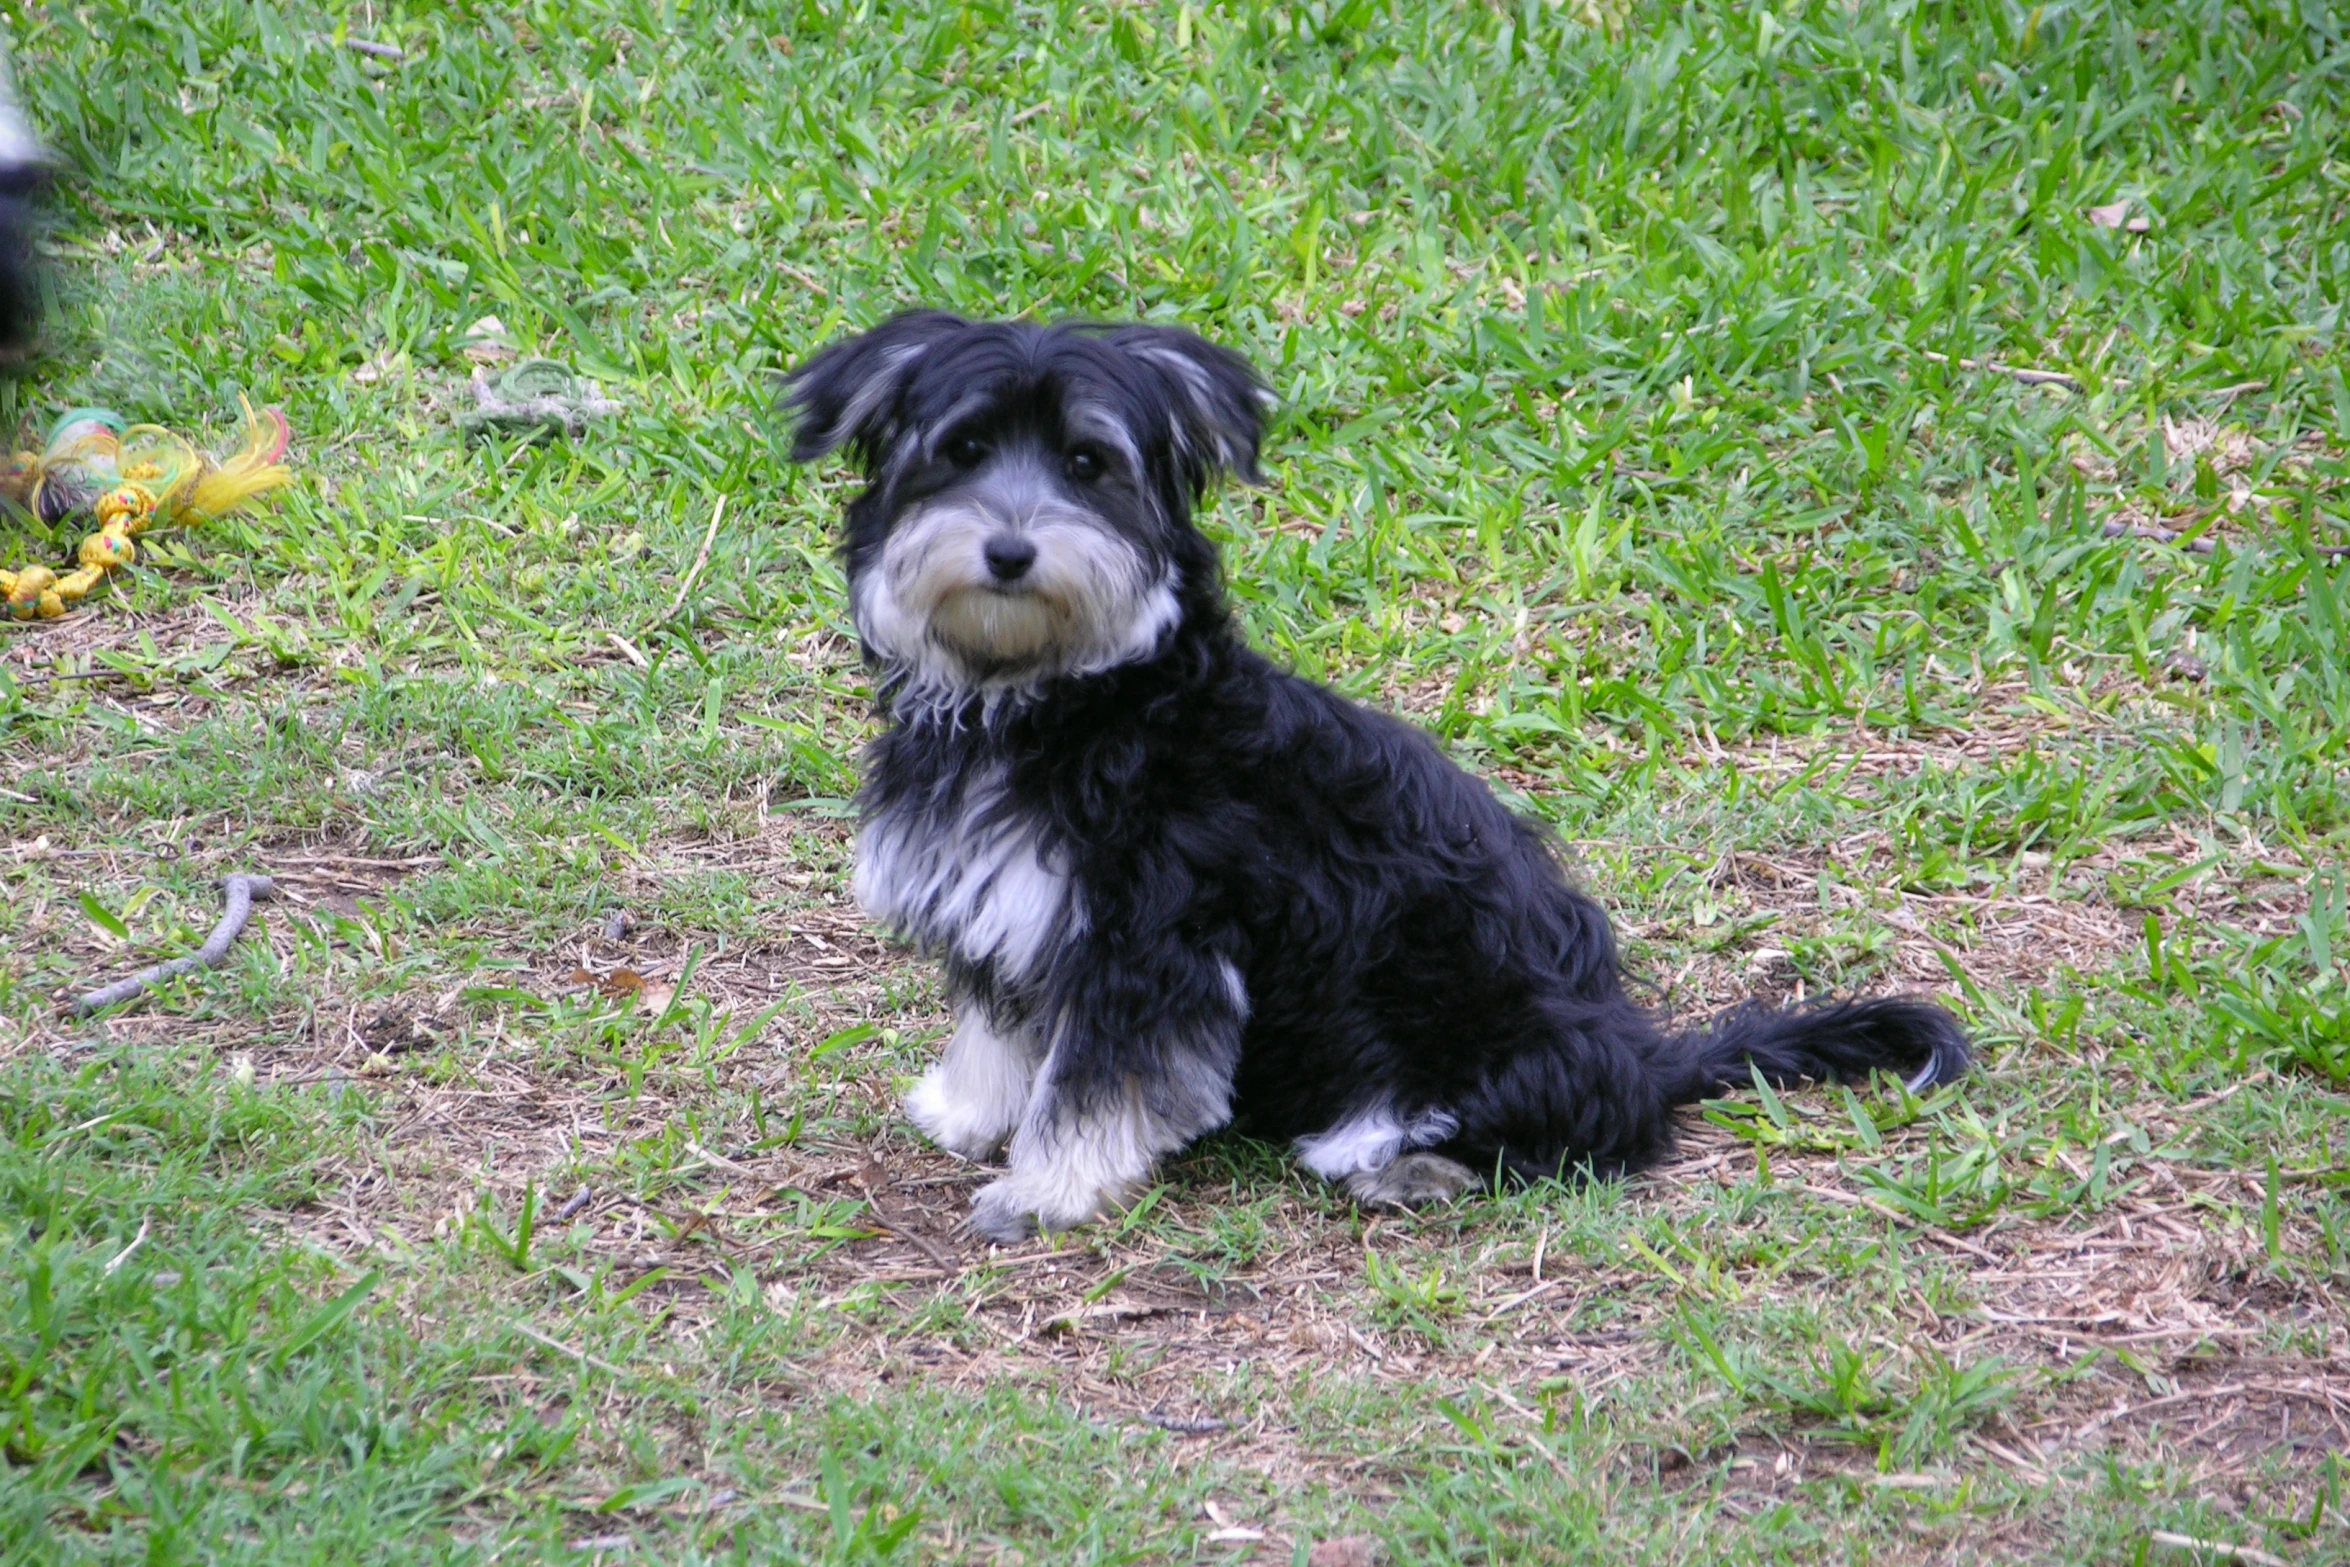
(626, 984)
(621, 982)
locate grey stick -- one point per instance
(242, 890)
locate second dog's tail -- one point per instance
(1916, 1040)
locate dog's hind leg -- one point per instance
(971, 1101)
(1382, 1159)
(1414, 1180)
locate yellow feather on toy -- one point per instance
(255, 469)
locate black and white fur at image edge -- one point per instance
(1175, 887)
(24, 171)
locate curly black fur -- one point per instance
(1245, 897)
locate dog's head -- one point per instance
(1028, 509)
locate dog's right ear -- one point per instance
(852, 393)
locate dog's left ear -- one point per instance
(1216, 397)
(852, 393)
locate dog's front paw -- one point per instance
(1415, 1180)
(976, 1136)
(1012, 1210)
(999, 1214)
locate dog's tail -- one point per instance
(1845, 1040)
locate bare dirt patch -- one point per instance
(2149, 1329)
(36, 647)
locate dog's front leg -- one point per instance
(1114, 1096)
(974, 1098)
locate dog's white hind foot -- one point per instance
(1414, 1180)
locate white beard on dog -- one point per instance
(974, 882)
(933, 613)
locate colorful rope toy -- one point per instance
(127, 478)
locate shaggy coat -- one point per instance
(1176, 887)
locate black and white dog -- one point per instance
(1174, 886)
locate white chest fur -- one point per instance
(976, 882)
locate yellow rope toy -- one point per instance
(128, 478)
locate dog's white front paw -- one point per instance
(976, 1133)
(1012, 1210)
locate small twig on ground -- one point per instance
(1523, 1296)
(701, 559)
(2225, 1094)
(242, 890)
(2205, 1394)
(137, 1241)
(1931, 1232)
(360, 861)
(801, 277)
(561, 1348)
(875, 1180)
(720, 1160)
(367, 46)
(2031, 1472)
(2217, 1550)
(2020, 373)
(2202, 544)
(806, 1504)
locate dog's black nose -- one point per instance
(1009, 557)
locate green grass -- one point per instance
(1624, 442)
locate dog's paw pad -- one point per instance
(1415, 1180)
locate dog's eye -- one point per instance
(965, 451)
(1084, 465)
